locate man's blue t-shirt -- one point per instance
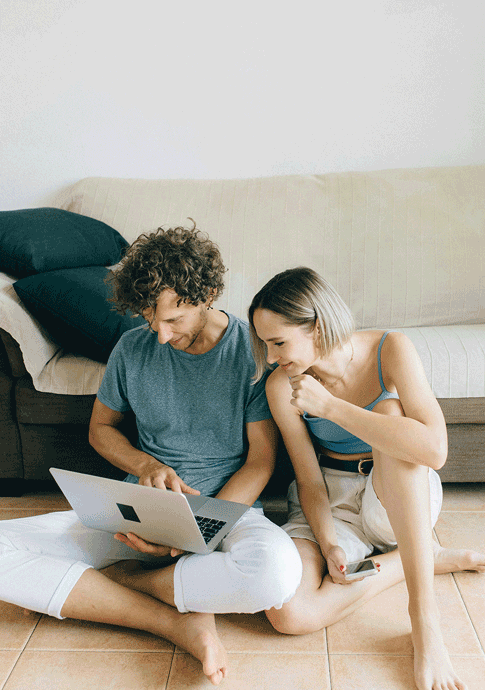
(191, 410)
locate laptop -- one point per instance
(192, 523)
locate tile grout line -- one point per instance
(170, 669)
(83, 650)
(21, 651)
(256, 652)
(12, 669)
(459, 591)
(329, 672)
(396, 655)
(462, 511)
(468, 613)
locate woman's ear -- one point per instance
(317, 332)
(318, 336)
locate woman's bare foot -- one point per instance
(456, 560)
(432, 665)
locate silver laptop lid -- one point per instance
(161, 517)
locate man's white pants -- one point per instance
(256, 567)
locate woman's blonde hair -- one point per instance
(302, 298)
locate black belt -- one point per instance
(363, 466)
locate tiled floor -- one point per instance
(369, 649)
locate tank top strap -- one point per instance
(379, 367)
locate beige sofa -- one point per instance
(405, 248)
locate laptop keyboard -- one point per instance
(208, 527)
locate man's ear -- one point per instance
(212, 297)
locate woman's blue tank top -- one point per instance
(332, 436)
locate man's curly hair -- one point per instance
(181, 259)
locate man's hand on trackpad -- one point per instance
(162, 476)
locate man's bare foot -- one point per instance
(456, 560)
(199, 637)
(195, 632)
(432, 665)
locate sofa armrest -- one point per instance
(5, 367)
(11, 465)
(11, 349)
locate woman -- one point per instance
(365, 435)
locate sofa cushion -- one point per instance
(402, 247)
(52, 369)
(453, 359)
(72, 305)
(46, 239)
(36, 346)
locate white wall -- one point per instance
(215, 88)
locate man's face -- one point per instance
(179, 325)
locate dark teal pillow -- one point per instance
(72, 306)
(35, 240)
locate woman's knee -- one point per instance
(390, 471)
(294, 619)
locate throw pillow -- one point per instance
(46, 239)
(72, 306)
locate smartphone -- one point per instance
(359, 569)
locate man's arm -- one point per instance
(112, 444)
(247, 483)
(244, 486)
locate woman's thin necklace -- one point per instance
(329, 385)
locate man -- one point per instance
(203, 427)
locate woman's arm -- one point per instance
(419, 437)
(312, 491)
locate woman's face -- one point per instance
(291, 347)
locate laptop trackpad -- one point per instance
(205, 506)
(222, 510)
(195, 502)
